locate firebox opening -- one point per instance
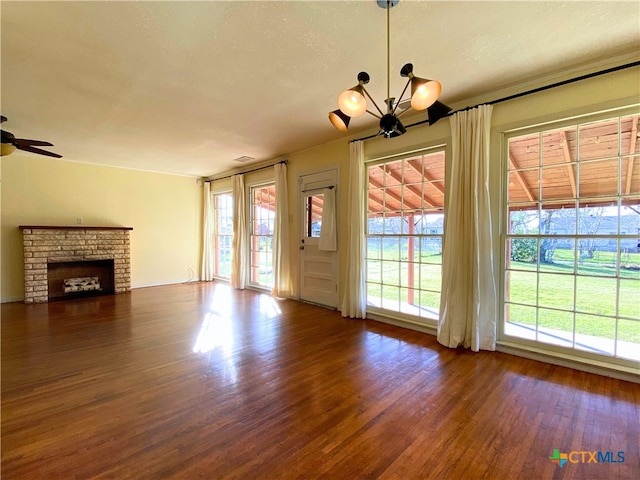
(80, 278)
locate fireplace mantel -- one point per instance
(49, 244)
(70, 227)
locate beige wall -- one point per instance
(332, 156)
(164, 211)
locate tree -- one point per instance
(590, 224)
(547, 245)
(522, 249)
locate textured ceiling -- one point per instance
(186, 87)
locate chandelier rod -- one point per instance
(400, 99)
(374, 104)
(388, 58)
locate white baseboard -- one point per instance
(169, 282)
(619, 372)
(12, 299)
(404, 323)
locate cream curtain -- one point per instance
(281, 266)
(469, 303)
(328, 240)
(239, 249)
(354, 300)
(206, 270)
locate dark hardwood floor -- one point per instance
(201, 381)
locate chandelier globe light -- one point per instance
(352, 103)
(423, 92)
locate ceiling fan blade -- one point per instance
(28, 148)
(3, 119)
(27, 143)
(7, 137)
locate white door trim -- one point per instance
(327, 263)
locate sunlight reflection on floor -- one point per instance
(216, 331)
(216, 335)
(221, 301)
(215, 338)
(269, 306)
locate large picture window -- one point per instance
(572, 251)
(223, 234)
(263, 205)
(404, 234)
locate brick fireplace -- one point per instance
(53, 252)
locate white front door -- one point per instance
(318, 274)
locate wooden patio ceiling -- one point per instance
(408, 185)
(398, 187)
(561, 177)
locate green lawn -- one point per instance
(388, 267)
(600, 302)
(555, 293)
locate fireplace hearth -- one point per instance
(81, 260)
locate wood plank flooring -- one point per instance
(201, 381)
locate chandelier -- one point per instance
(424, 95)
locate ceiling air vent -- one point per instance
(243, 159)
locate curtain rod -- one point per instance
(248, 171)
(522, 94)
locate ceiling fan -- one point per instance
(10, 143)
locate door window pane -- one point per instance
(313, 215)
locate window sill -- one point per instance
(399, 320)
(607, 369)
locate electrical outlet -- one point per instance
(78, 220)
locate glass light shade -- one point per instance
(424, 92)
(339, 120)
(352, 102)
(7, 149)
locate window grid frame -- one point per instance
(401, 285)
(579, 204)
(221, 266)
(259, 258)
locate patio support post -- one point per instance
(411, 265)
